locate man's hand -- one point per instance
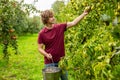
(79, 18)
(49, 56)
(87, 10)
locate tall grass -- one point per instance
(27, 65)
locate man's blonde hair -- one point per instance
(45, 15)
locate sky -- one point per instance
(41, 4)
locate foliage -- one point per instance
(91, 43)
(25, 66)
(13, 21)
(34, 25)
(56, 6)
(7, 32)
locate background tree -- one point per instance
(34, 25)
(57, 6)
(13, 21)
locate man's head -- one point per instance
(47, 17)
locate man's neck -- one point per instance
(49, 26)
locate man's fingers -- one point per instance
(50, 56)
(88, 9)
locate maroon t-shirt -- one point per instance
(53, 39)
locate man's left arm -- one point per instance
(79, 18)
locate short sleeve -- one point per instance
(63, 26)
(40, 38)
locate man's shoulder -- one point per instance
(60, 24)
(42, 31)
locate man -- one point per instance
(52, 36)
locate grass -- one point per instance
(27, 65)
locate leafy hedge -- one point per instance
(91, 45)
